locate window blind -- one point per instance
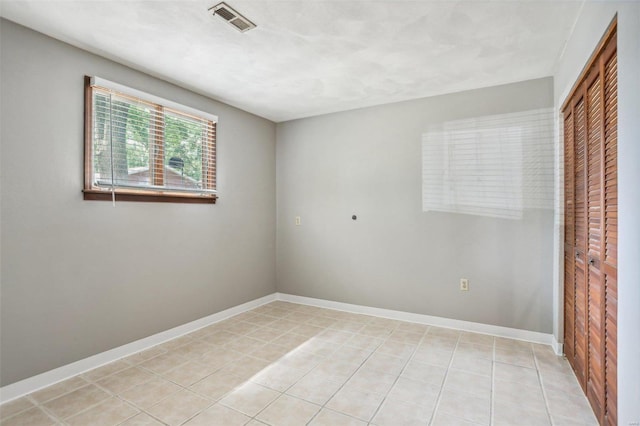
(144, 143)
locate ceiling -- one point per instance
(309, 57)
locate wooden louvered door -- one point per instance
(590, 246)
(577, 242)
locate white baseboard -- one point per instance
(32, 384)
(495, 330)
(558, 347)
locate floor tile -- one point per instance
(125, 379)
(412, 327)
(291, 340)
(31, 417)
(352, 354)
(279, 377)
(14, 407)
(364, 342)
(477, 338)
(266, 334)
(408, 337)
(328, 417)
(355, 403)
(288, 411)
(179, 408)
(148, 394)
(429, 374)
(337, 370)
(560, 382)
(221, 337)
(219, 415)
(444, 332)
(570, 421)
(141, 419)
(574, 406)
(163, 363)
(443, 419)
(518, 393)
(76, 401)
(250, 398)
(217, 385)
(270, 352)
(219, 357)
(507, 414)
(59, 389)
(466, 406)
(462, 381)
(514, 373)
(244, 344)
(189, 373)
(372, 381)
(106, 370)
(314, 388)
(108, 413)
(523, 358)
(414, 392)
(336, 337)
(246, 367)
(194, 349)
(283, 325)
(145, 355)
(349, 326)
(385, 363)
(437, 357)
(397, 349)
(175, 343)
(475, 350)
(472, 364)
(398, 413)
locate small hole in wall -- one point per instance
(354, 217)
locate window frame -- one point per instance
(151, 193)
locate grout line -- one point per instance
(544, 392)
(401, 370)
(444, 380)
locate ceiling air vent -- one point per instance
(227, 13)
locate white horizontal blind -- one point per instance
(145, 146)
(493, 166)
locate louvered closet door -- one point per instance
(580, 244)
(569, 238)
(595, 284)
(591, 214)
(609, 255)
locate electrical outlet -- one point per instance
(464, 284)
(298, 221)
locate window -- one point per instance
(139, 147)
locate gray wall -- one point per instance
(368, 162)
(592, 23)
(81, 277)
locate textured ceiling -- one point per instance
(309, 57)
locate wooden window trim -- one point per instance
(152, 197)
(93, 193)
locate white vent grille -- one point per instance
(234, 18)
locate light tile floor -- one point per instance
(289, 364)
